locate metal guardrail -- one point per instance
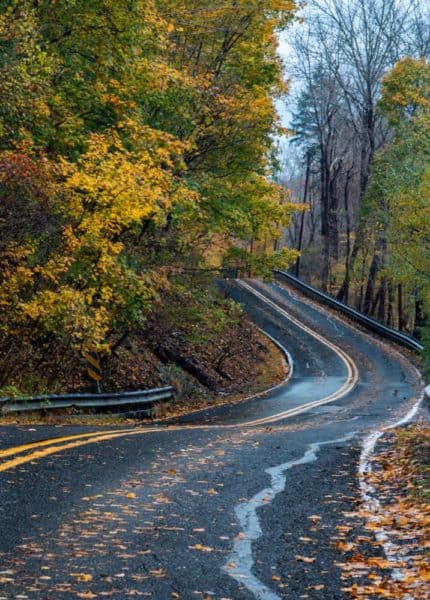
(140, 400)
(372, 324)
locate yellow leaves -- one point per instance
(113, 187)
(124, 179)
(405, 90)
(201, 548)
(82, 577)
(68, 310)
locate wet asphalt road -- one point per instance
(189, 510)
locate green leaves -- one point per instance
(398, 196)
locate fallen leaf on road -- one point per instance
(157, 573)
(314, 518)
(345, 547)
(201, 548)
(305, 559)
(82, 576)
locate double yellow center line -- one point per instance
(36, 450)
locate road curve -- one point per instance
(213, 504)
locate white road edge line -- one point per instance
(368, 493)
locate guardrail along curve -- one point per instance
(372, 324)
(141, 400)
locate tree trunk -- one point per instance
(419, 318)
(373, 271)
(171, 354)
(333, 209)
(391, 300)
(302, 220)
(343, 294)
(375, 303)
(400, 307)
(326, 264)
(376, 265)
(382, 301)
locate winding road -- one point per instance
(236, 502)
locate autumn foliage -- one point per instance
(135, 145)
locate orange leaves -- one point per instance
(157, 572)
(82, 577)
(345, 547)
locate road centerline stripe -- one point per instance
(47, 442)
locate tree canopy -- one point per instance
(136, 142)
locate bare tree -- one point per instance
(342, 52)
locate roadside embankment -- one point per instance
(238, 362)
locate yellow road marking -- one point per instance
(15, 462)
(351, 367)
(51, 446)
(48, 442)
